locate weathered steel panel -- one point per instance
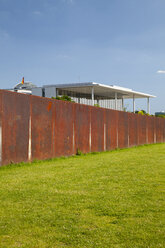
(122, 129)
(132, 129)
(142, 129)
(150, 129)
(111, 129)
(156, 129)
(63, 134)
(163, 126)
(42, 127)
(97, 129)
(82, 128)
(159, 129)
(163, 129)
(15, 131)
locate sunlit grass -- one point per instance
(111, 199)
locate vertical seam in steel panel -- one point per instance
(146, 130)
(104, 137)
(137, 123)
(90, 140)
(154, 131)
(30, 143)
(117, 127)
(128, 119)
(30, 135)
(162, 129)
(53, 124)
(74, 123)
(55, 127)
(73, 137)
(1, 143)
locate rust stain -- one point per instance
(49, 106)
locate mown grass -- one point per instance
(112, 199)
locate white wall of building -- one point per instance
(37, 91)
(50, 91)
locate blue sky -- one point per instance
(119, 42)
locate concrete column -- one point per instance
(92, 96)
(122, 103)
(148, 105)
(133, 104)
(56, 92)
(116, 100)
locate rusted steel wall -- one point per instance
(33, 127)
(150, 129)
(15, 127)
(142, 130)
(42, 128)
(111, 129)
(82, 132)
(63, 128)
(158, 130)
(122, 129)
(132, 129)
(163, 130)
(97, 129)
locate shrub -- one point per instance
(63, 98)
(97, 105)
(141, 112)
(162, 116)
(78, 152)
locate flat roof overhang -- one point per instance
(101, 91)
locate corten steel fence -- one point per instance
(33, 127)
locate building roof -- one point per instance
(101, 91)
(25, 86)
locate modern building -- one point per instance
(91, 93)
(162, 113)
(25, 88)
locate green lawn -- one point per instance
(112, 199)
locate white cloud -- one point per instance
(68, 1)
(62, 56)
(161, 72)
(37, 13)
